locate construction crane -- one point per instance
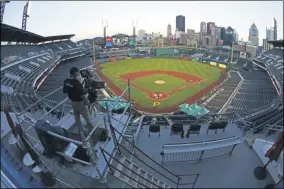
(3, 3)
(27, 7)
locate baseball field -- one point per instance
(160, 85)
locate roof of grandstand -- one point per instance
(58, 37)
(278, 43)
(13, 34)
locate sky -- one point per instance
(84, 18)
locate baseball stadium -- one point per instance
(160, 115)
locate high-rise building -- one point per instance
(190, 32)
(169, 31)
(270, 34)
(216, 32)
(229, 37)
(183, 38)
(203, 27)
(253, 35)
(180, 23)
(209, 26)
(223, 31)
(141, 33)
(275, 29)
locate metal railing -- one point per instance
(161, 172)
(86, 140)
(198, 151)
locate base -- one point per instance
(47, 179)
(260, 173)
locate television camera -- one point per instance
(91, 85)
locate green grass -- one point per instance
(148, 82)
(113, 69)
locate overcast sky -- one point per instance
(84, 18)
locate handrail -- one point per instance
(116, 102)
(61, 103)
(143, 152)
(150, 166)
(104, 151)
(43, 98)
(205, 142)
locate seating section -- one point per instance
(27, 71)
(56, 78)
(17, 79)
(273, 116)
(12, 53)
(255, 92)
(224, 57)
(225, 91)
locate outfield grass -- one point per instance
(148, 82)
(113, 69)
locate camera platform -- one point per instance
(108, 145)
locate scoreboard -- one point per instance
(108, 41)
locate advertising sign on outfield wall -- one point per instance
(222, 66)
(194, 60)
(213, 63)
(185, 58)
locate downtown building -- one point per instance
(180, 23)
(253, 35)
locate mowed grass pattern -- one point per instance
(114, 69)
(148, 82)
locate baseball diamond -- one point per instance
(183, 81)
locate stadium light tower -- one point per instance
(26, 14)
(105, 25)
(134, 25)
(3, 4)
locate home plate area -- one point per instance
(158, 96)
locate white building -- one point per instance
(141, 33)
(203, 27)
(169, 31)
(183, 38)
(253, 35)
(270, 34)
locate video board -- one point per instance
(108, 41)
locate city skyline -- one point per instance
(84, 19)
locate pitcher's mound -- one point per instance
(159, 82)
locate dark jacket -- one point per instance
(74, 89)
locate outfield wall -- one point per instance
(200, 60)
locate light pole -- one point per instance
(105, 25)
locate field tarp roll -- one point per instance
(193, 110)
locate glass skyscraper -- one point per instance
(180, 23)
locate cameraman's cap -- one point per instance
(73, 70)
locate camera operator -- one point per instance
(77, 95)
